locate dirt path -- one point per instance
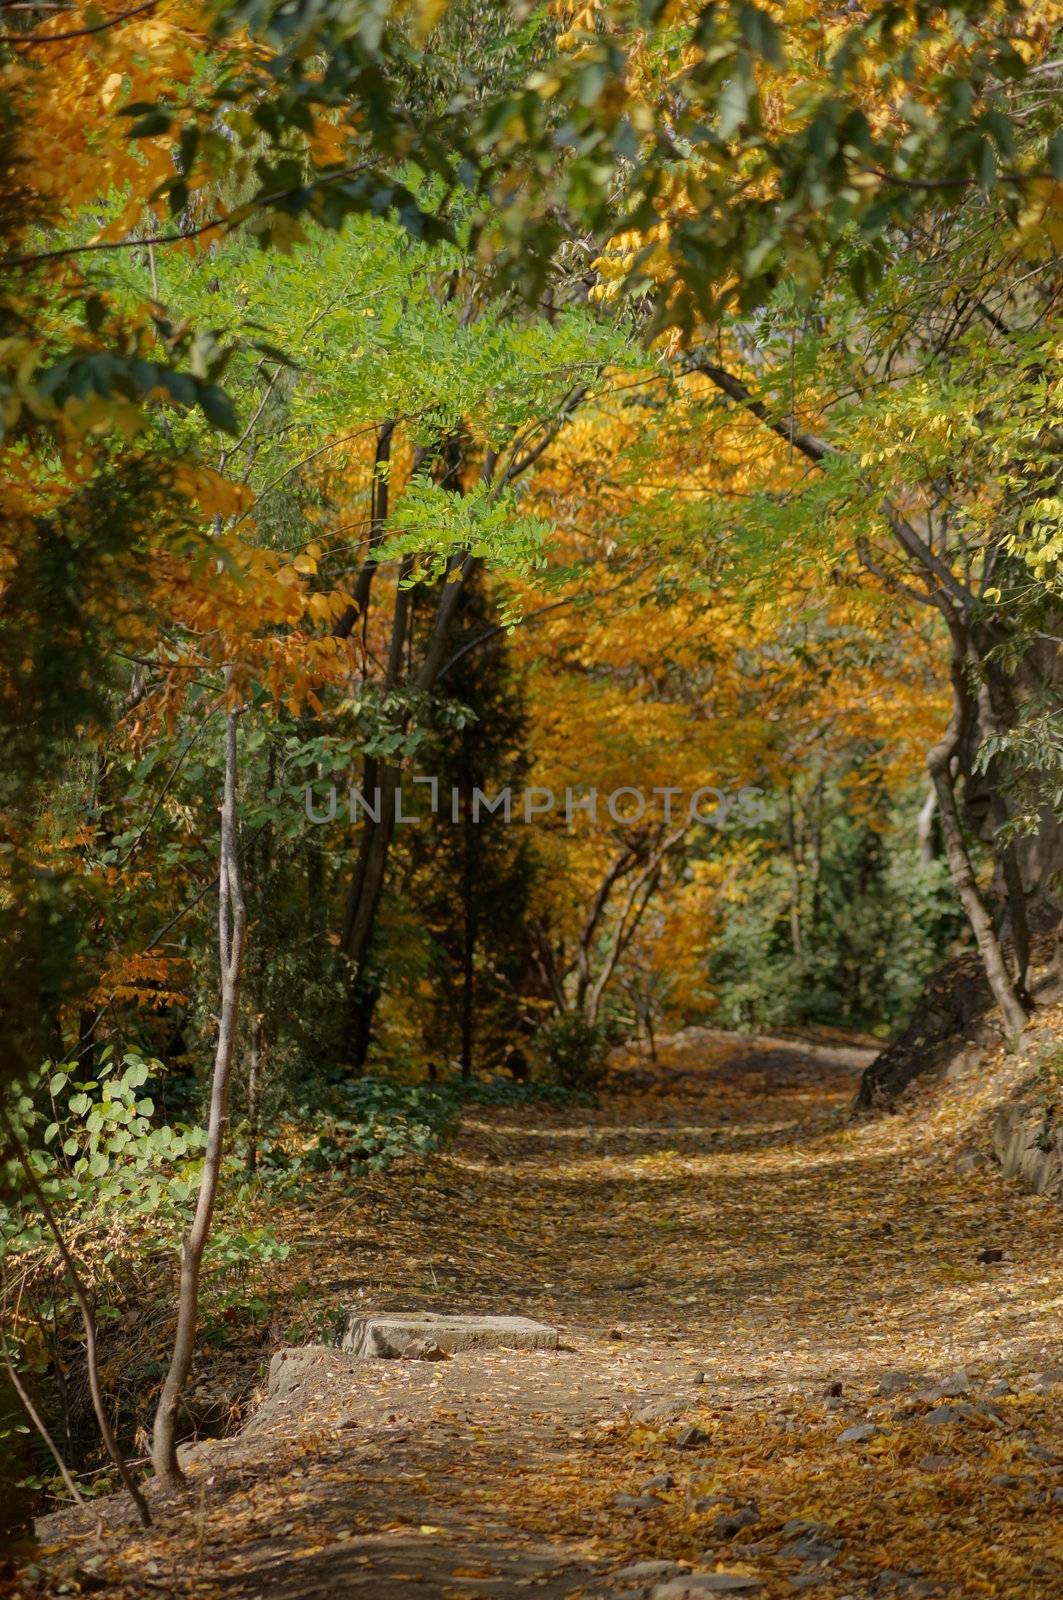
(721, 1249)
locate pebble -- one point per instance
(935, 1463)
(647, 1571)
(691, 1439)
(694, 1584)
(637, 1502)
(662, 1480)
(955, 1387)
(728, 1523)
(660, 1411)
(945, 1414)
(425, 1350)
(810, 1549)
(858, 1435)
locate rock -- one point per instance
(660, 1411)
(662, 1480)
(808, 1580)
(1038, 1452)
(424, 1350)
(692, 1439)
(615, 1333)
(636, 1502)
(941, 1415)
(697, 1377)
(952, 1017)
(728, 1523)
(802, 1525)
(835, 1403)
(193, 1451)
(1057, 1495)
(1001, 1388)
(1006, 1480)
(833, 1390)
(1029, 1147)
(694, 1584)
(811, 1549)
(388, 1334)
(90, 1582)
(952, 1388)
(858, 1435)
(990, 1256)
(892, 1383)
(935, 1463)
(296, 1375)
(647, 1572)
(969, 1161)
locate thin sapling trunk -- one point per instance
(231, 933)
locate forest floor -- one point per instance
(741, 1274)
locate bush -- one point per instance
(575, 1052)
(360, 1125)
(122, 1186)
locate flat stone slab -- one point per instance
(389, 1333)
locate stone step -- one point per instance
(389, 1333)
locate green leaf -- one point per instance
(1055, 154)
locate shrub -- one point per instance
(575, 1052)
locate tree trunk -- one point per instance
(939, 761)
(794, 854)
(231, 932)
(927, 812)
(468, 918)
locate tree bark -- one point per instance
(927, 812)
(939, 762)
(231, 935)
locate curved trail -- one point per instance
(719, 1216)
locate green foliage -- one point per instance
(438, 525)
(873, 926)
(537, 132)
(96, 1151)
(359, 1126)
(575, 1052)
